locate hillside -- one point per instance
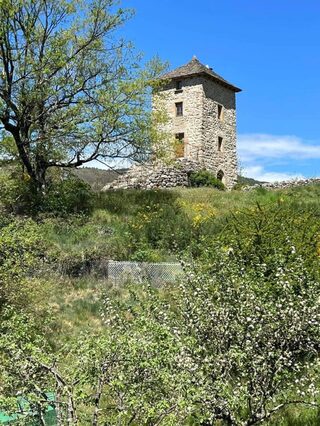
(245, 252)
(159, 225)
(98, 178)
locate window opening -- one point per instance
(179, 109)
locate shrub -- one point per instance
(258, 233)
(205, 178)
(22, 252)
(254, 337)
(69, 196)
(15, 191)
(228, 345)
(62, 196)
(164, 226)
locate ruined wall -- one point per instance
(156, 175)
(286, 184)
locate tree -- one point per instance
(70, 90)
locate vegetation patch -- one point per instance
(205, 178)
(235, 341)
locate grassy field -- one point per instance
(160, 225)
(149, 226)
(164, 226)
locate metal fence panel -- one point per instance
(155, 273)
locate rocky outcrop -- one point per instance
(283, 184)
(156, 175)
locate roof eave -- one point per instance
(223, 83)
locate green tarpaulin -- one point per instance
(30, 416)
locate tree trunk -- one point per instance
(40, 178)
(36, 169)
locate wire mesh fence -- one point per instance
(138, 272)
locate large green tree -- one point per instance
(71, 90)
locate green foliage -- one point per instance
(77, 92)
(136, 200)
(163, 226)
(205, 178)
(64, 196)
(237, 342)
(8, 149)
(230, 344)
(69, 196)
(253, 336)
(258, 233)
(15, 190)
(21, 250)
(159, 225)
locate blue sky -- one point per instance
(271, 49)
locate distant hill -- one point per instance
(98, 178)
(245, 181)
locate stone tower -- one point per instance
(201, 107)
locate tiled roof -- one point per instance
(195, 67)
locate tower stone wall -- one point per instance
(208, 122)
(191, 122)
(216, 131)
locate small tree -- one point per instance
(70, 90)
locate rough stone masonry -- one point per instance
(201, 110)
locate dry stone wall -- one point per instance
(283, 185)
(156, 175)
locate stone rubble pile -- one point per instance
(283, 184)
(156, 175)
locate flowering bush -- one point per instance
(237, 342)
(232, 343)
(253, 340)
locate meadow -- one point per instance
(166, 349)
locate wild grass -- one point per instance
(157, 226)
(75, 307)
(296, 416)
(160, 225)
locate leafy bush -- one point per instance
(257, 234)
(62, 196)
(69, 196)
(254, 338)
(230, 344)
(21, 252)
(15, 191)
(205, 178)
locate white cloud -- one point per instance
(259, 173)
(260, 153)
(257, 146)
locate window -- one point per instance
(220, 141)
(179, 146)
(220, 112)
(180, 136)
(179, 109)
(179, 85)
